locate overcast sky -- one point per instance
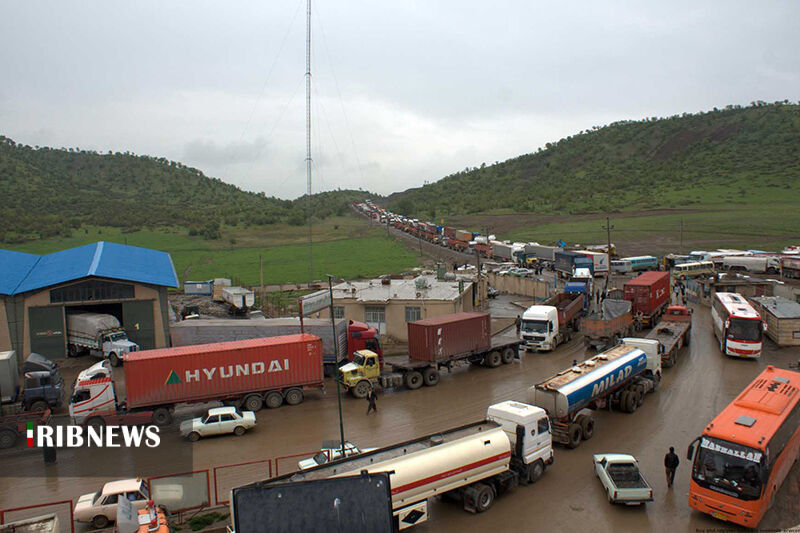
(404, 92)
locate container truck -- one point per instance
(600, 262)
(546, 326)
(502, 251)
(566, 263)
(247, 373)
(98, 334)
(649, 295)
(42, 385)
(434, 344)
(672, 333)
(603, 329)
(471, 464)
(350, 336)
(617, 378)
(543, 253)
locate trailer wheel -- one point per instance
(162, 417)
(413, 380)
(536, 471)
(430, 376)
(273, 400)
(587, 427)
(294, 396)
(8, 438)
(254, 403)
(114, 359)
(484, 497)
(492, 359)
(508, 356)
(574, 433)
(361, 389)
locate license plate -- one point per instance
(719, 516)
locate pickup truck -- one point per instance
(621, 478)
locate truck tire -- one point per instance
(430, 376)
(686, 337)
(253, 402)
(413, 380)
(294, 396)
(574, 433)
(361, 389)
(8, 438)
(508, 356)
(632, 402)
(273, 399)
(536, 471)
(96, 422)
(623, 400)
(39, 405)
(587, 427)
(484, 497)
(162, 416)
(114, 359)
(492, 359)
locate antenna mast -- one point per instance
(308, 141)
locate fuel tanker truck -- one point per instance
(617, 378)
(472, 464)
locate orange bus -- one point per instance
(746, 452)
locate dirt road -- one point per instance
(568, 498)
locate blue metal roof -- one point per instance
(26, 272)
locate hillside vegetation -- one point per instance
(50, 192)
(727, 158)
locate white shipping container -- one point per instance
(239, 297)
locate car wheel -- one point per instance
(430, 376)
(99, 522)
(194, 436)
(254, 403)
(294, 396)
(239, 431)
(274, 400)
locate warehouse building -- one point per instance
(125, 281)
(389, 304)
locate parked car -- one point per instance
(331, 450)
(218, 421)
(621, 478)
(100, 508)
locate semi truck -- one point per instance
(502, 251)
(546, 326)
(42, 386)
(349, 336)
(98, 334)
(566, 262)
(618, 378)
(247, 373)
(672, 333)
(472, 464)
(649, 295)
(614, 320)
(543, 253)
(757, 264)
(434, 344)
(600, 261)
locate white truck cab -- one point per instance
(539, 327)
(91, 397)
(535, 447)
(653, 350)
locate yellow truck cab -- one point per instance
(361, 373)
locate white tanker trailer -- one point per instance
(473, 463)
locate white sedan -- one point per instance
(331, 451)
(218, 421)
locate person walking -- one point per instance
(371, 397)
(671, 463)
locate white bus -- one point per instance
(738, 327)
(693, 269)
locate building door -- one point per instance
(375, 316)
(48, 337)
(137, 319)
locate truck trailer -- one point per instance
(617, 378)
(472, 464)
(349, 337)
(98, 334)
(566, 262)
(543, 253)
(600, 261)
(649, 295)
(434, 344)
(546, 326)
(247, 373)
(672, 333)
(604, 328)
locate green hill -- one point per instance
(51, 192)
(726, 158)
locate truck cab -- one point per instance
(116, 345)
(361, 373)
(653, 350)
(539, 328)
(361, 336)
(91, 398)
(528, 430)
(42, 390)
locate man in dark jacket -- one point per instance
(671, 462)
(518, 323)
(371, 397)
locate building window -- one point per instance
(92, 290)
(338, 311)
(374, 314)
(413, 314)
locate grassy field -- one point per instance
(346, 247)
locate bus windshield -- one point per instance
(728, 468)
(534, 326)
(745, 329)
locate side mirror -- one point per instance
(690, 450)
(764, 326)
(727, 323)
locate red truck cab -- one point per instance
(361, 336)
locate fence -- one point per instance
(62, 509)
(524, 286)
(227, 477)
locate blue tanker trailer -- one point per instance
(617, 378)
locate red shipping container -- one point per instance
(648, 293)
(207, 372)
(435, 339)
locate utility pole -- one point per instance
(308, 142)
(608, 227)
(336, 352)
(261, 271)
(681, 248)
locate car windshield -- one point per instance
(534, 326)
(745, 329)
(96, 496)
(728, 468)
